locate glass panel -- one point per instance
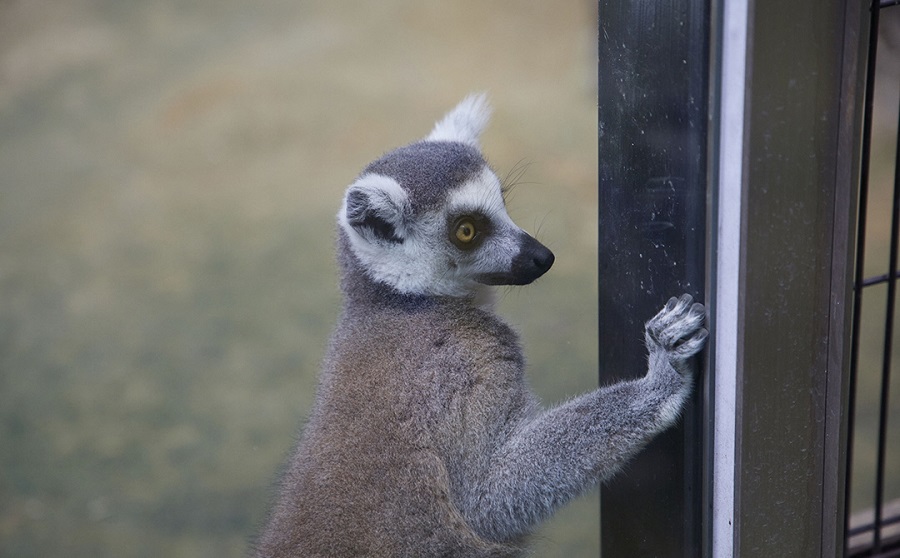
(652, 125)
(170, 173)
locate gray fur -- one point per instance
(428, 169)
(425, 439)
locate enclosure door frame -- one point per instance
(791, 92)
(756, 467)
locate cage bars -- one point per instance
(879, 522)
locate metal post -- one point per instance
(653, 72)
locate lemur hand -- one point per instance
(678, 330)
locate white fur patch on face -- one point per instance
(465, 122)
(482, 194)
(422, 260)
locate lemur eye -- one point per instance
(465, 230)
(468, 231)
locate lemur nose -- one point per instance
(543, 258)
(535, 259)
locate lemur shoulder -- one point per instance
(425, 439)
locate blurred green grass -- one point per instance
(169, 175)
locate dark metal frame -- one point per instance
(798, 191)
(653, 118)
(801, 164)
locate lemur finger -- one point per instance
(680, 318)
(680, 308)
(668, 314)
(676, 307)
(670, 305)
(684, 326)
(692, 345)
(691, 321)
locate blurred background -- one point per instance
(886, 94)
(169, 176)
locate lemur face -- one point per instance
(430, 218)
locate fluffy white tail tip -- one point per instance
(465, 122)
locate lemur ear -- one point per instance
(465, 122)
(377, 208)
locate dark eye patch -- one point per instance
(479, 221)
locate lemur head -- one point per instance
(430, 219)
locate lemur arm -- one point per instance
(556, 455)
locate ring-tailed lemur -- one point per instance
(425, 439)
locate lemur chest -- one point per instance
(449, 365)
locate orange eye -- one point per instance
(465, 231)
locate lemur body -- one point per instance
(425, 439)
